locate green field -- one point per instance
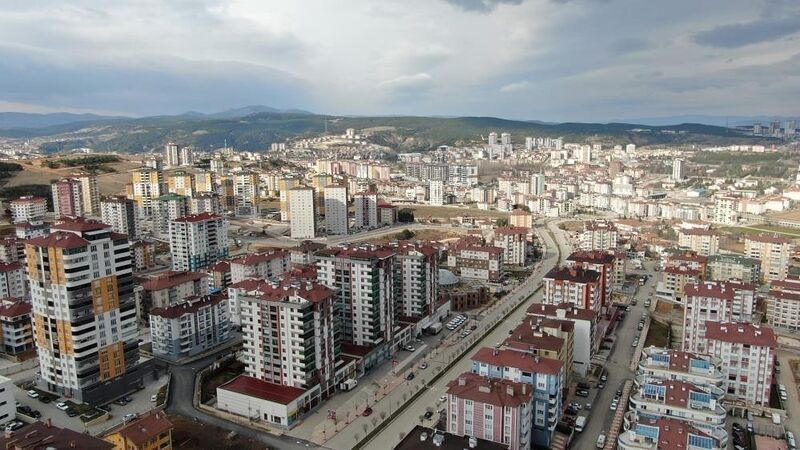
(764, 228)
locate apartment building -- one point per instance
(305, 253)
(195, 325)
(289, 334)
(28, 209)
(303, 211)
(548, 338)
(674, 280)
(716, 301)
(84, 312)
(783, 304)
(733, 267)
(362, 279)
(180, 182)
(687, 258)
(520, 218)
(387, 214)
(704, 242)
(574, 285)
(747, 352)
(119, 212)
(68, 197)
(12, 249)
(366, 210)
(726, 210)
(147, 186)
(245, 191)
(15, 322)
(150, 431)
(172, 154)
(169, 288)
(495, 410)
(263, 265)
(197, 241)
(699, 405)
(477, 262)
(667, 364)
(585, 338)
(13, 282)
(205, 181)
(610, 266)
(8, 410)
(514, 242)
(336, 221)
(167, 208)
(144, 255)
(91, 193)
(669, 434)
(416, 278)
(284, 186)
(774, 252)
(206, 202)
(436, 193)
(598, 235)
(545, 376)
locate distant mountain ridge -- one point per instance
(14, 120)
(721, 121)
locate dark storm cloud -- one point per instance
(742, 34)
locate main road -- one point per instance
(389, 436)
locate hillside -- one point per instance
(257, 131)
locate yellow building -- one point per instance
(180, 182)
(149, 432)
(318, 182)
(147, 186)
(520, 218)
(284, 186)
(205, 181)
(245, 191)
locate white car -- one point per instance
(613, 406)
(62, 406)
(154, 398)
(32, 394)
(443, 398)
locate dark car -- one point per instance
(45, 399)
(582, 393)
(428, 415)
(410, 376)
(72, 413)
(367, 412)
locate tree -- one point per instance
(405, 235)
(501, 222)
(405, 215)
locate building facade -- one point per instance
(197, 241)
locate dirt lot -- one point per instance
(424, 235)
(445, 212)
(108, 183)
(189, 434)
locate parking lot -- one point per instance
(140, 403)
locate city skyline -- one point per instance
(526, 59)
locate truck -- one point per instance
(436, 328)
(580, 422)
(348, 384)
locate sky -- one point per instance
(551, 60)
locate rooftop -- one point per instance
(511, 230)
(190, 305)
(44, 436)
(197, 217)
(258, 258)
(698, 232)
(264, 390)
(10, 267)
(413, 441)
(568, 310)
(78, 224)
(146, 428)
(278, 291)
(59, 239)
(492, 391)
(574, 274)
(170, 279)
(594, 257)
(770, 239)
(741, 333)
(519, 360)
(717, 289)
(14, 308)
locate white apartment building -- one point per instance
(714, 301)
(15, 326)
(363, 281)
(187, 157)
(366, 210)
(667, 364)
(260, 265)
(13, 282)
(598, 235)
(194, 326)
(28, 209)
(774, 252)
(436, 193)
(166, 209)
(514, 242)
(678, 171)
(197, 241)
(84, 312)
(747, 352)
(289, 335)
(148, 185)
(120, 213)
(245, 192)
(704, 242)
(668, 434)
(783, 304)
(699, 405)
(726, 210)
(416, 278)
(172, 154)
(476, 262)
(8, 408)
(336, 222)
(303, 212)
(205, 202)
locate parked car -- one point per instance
(423, 365)
(32, 393)
(14, 425)
(410, 376)
(367, 412)
(62, 406)
(154, 398)
(428, 415)
(604, 377)
(443, 398)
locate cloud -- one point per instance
(406, 83)
(482, 6)
(754, 32)
(629, 45)
(516, 86)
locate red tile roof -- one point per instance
(190, 305)
(170, 279)
(308, 246)
(10, 267)
(593, 257)
(788, 284)
(14, 308)
(59, 239)
(741, 333)
(264, 390)
(571, 312)
(28, 199)
(771, 239)
(222, 266)
(492, 391)
(258, 258)
(511, 230)
(357, 252)
(574, 274)
(277, 291)
(683, 270)
(78, 224)
(42, 436)
(146, 428)
(674, 433)
(520, 360)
